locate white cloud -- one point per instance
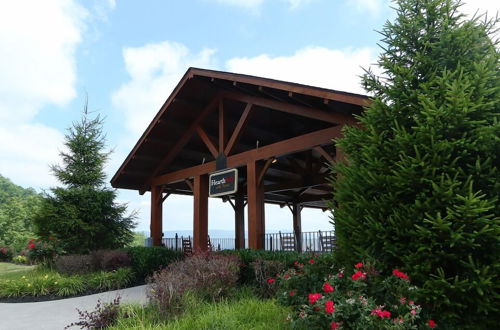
(317, 66)
(255, 5)
(471, 7)
(37, 68)
(154, 69)
(371, 6)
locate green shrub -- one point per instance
(146, 260)
(108, 260)
(266, 272)
(43, 251)
(5, 253)
(210, 276)
(75, 264)
(20, 260)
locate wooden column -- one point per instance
(200, 223)
(297, 225)
(239, 220)
(256, 213)
(156, 215)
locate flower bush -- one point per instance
(364, 300)
(42, 251)
(5, 253)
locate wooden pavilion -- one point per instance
(277, 134)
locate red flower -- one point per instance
(286, 276)
(334, 326)
(431, 324)
(340, 275)
(292, 293)
(357, 275)
(313, 297)
(295, 263)
(399, 274)
(358, 265)
(31, 246)
(311, 261)
(382, 314)
(329, 307)
(327, 288)
(271, 281)
(402, 300)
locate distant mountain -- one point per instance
(9, 190)
(214, 233)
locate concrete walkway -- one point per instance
(56, 314)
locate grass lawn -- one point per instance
(10, 271)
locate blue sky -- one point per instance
(128, 55)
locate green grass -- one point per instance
(10, 271)
(244, 312)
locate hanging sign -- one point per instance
(223, 182)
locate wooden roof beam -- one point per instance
(314, 113)
(242, 123)
(277, 149)
(183, 140)
(207, 140)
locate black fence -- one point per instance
(314, 241)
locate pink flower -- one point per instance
(313, 297)
(286, 276)
(340, 275)
(358, 265)
(271, 281)
(431, 324)
(399, 274)
(329, 307)
(327, 288)
(357, 275)
(334, 326)
(402, 300)
(413, 311)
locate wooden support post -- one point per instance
(200, 221)
(256, 213)
(297, 225)
(239, 220)
(156, 215)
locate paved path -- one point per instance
(56, 314)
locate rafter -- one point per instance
(207, 140)
(325, 154)
(314, 113)
(222, 127)
(184, 139)
(238, 129)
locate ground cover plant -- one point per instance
(421, 185)
(242, 310)
(41, 281)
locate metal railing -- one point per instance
(310, 241)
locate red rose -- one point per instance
(271, 280)
(31, 246)
(311, 261)
(296, 263)
(292, 293)
(313, 297)
(329, 307)
(327, 288)
(358, 265)
(431, 324)
(357, 275)
(380, 313)
(286, 276)
(399, 274)
(334, 326)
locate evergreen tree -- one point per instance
(421, 188)
(83, 215)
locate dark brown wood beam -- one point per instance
(238, 129)
(284, 147)
(264, 170)
(222, 127)
(208, 142)
(325, 154)
(183, 140)
(326, 116)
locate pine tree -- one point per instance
(83, 215)
(421, 188)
